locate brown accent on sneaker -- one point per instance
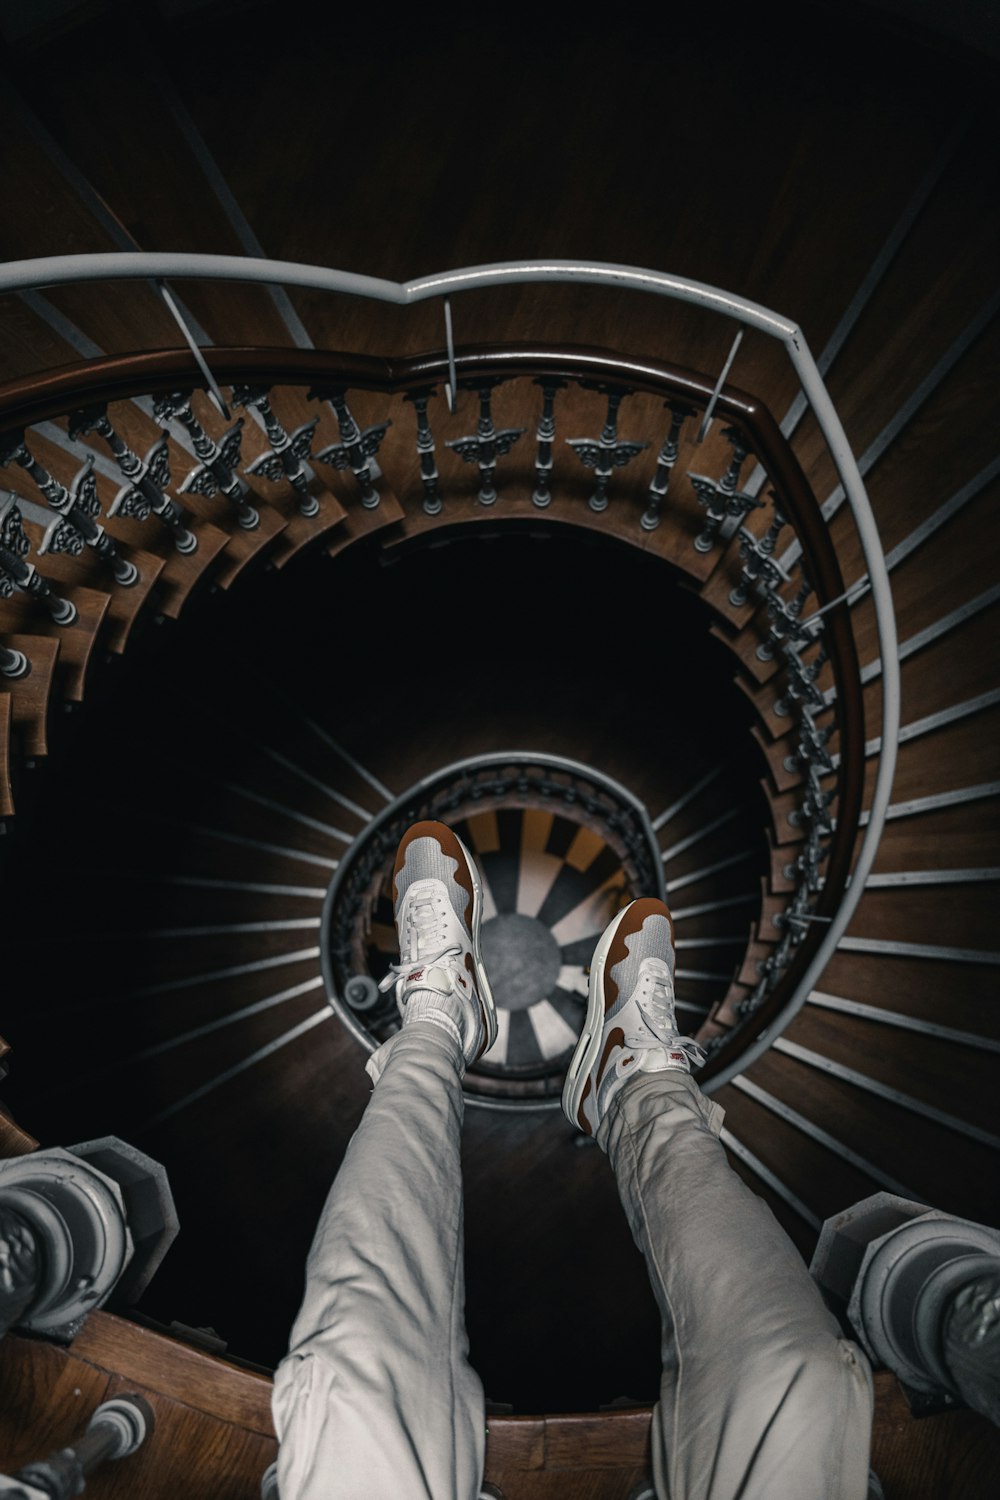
(581, 1118)
(631, 923)
(616, 1038)
(451, 846)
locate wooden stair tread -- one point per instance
(725, 1013)
(302, 530)
(243, 547)
(76, 642)
(209, 1406)
(31, 695)
(359, 522)
(182, 571)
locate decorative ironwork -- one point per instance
(488, 444)
(606, 453)
(425, 450)
(666, 459)
(288, 453)
(77, 505)
(144, 492)
(216, 473)
(356, 449)
(724, 499)
(15, 573)
(545, 437)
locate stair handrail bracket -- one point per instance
(159, 268)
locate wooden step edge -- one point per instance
(763, 696)
(744, 648)
(725, 1014)
(127, 603)
(775, 753)
(246, 547)
(620, 521)
(305, 531)
(183, 572)
(756, 954)
(211, 1384)
(782, 855)
(13, 1140)
(24, 615)
(31, 696)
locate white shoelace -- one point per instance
(398, 972)
(431, 943)
(655, 999)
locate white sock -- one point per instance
(446, 1011)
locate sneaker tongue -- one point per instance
(437, 979)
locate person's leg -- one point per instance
(376, 1397)
(760, 1395)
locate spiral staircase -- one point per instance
(586, 579)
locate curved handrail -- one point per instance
(54, 270)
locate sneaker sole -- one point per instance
(589, 1045)
(483, 989)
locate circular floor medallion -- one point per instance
(560, 849)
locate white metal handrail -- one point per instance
(156, 266)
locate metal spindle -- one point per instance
(146, 479)
(785, 616)
(607, 453)
(426, 451)
(288, 454)
(356, 449)
(217, 470)
(16, 573)
(723, 498)
(545, 437)
(488, 444)
(117, 1429)
(666, 459)
(13, 664)
(76, 506)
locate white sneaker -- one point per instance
(440, 976)
(631, 1026)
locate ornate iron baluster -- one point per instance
(811, 748)
(77, 507)
(16, 573)
(759, 571)
(356, 449)
(665, 462)
(814, 809)
(723, 499)
(146, 479)
(216, 472)
(488, 444)
(286, 459)
(545, 436)
(755, 550)
(801, 680)
(425, 449)
(607, 453)
(785, 618)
